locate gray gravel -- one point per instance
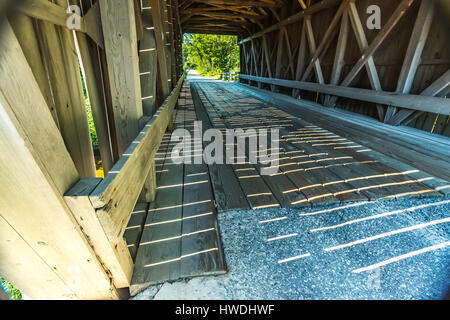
(255, 271)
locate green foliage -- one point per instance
(11, 291)
(91, 123)
(211, 55)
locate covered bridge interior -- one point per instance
(356, 89)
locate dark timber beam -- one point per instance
(160, 47)
(414, 52)
(438, 87)
(325, 4)
(244, 3)
(410, 101)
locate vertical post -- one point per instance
(148, 63)
(59, 54)
(90, 63)
(119, 30)
(160, 47)
(36, 171)
(171, 30)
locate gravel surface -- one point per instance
(311, 253)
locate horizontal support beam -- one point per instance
(325, 4)
(115, 197)
(242, 3)
(200, 30)
(45, 10)
(409, 101)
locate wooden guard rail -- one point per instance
(233, 76)
(409, 101)
(103, 207)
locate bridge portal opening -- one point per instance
(211, 55)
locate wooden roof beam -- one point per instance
(319, 6)
(226, 15)
(244, 3)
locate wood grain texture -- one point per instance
(35, 162)
(115, 257)
(116, 196)
(118, 22)
(60, 58)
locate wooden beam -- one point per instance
(160, 47)
(36, 171)
(61, 61)
(319, 6)
(289, 52)
(325, 39)
(15, 251)
(363, 45)
(415, 102)
(25, 31)
(114, 256)
(58, 15)
(119, 28)
(138, 19)
(302, 4)
(170, 19)
(148, 65)
(381, 36)
(280, 51)
(438, 86)
(341, 46)
(414, 52)
(313, 49)
(338, 63)
(266, 55)
(210, 30)
(116, 196)
(92, 70)
(301, 59)
(243, 3)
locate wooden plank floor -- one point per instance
(317, 166)
(177, 236)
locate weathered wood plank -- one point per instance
(135, 227)
(119, 29)
(325, 4)
(159, 254)
(58, 15)
(325, 39)
(410, 101)
(201, 250)
(26, 34)
(160, 47)
(115, 257)
(117, 194)
(14, 252)
(96, 94)
(438, 86)
(36, 170)
(148, 65)
(413, 150)
(61, 61)
(227, 191)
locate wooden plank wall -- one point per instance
(287, 53)
(60, 251)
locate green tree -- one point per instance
(211, 55)
(10, 290)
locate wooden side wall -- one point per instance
(286, 60)
(52, 244)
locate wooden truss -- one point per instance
(258, 50)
